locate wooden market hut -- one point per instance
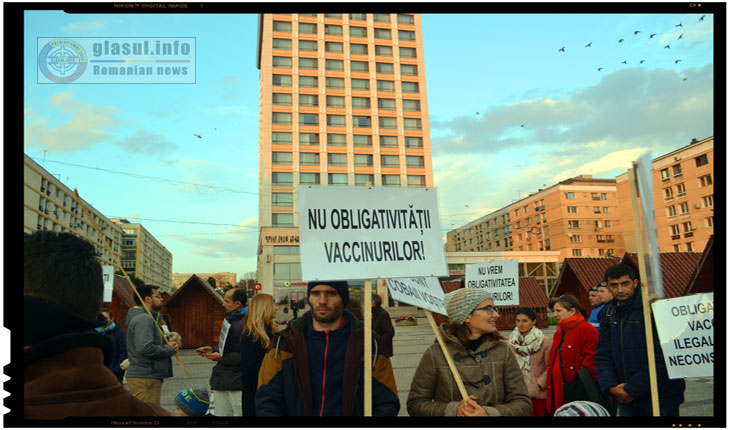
(122, 300)
(703, 280)
(578, 275)
(677, 270)
(196, 313)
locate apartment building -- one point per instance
(578, 217)
(222, 279)
(144, 256)
(683, 184)
(342, 103)
(48, 204)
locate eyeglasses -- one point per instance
(489, 309)
(157, 296)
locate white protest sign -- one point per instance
(686, 333)
(424, 293)
(108, 274)
(501, 278)
(224, 334)
(369, 232)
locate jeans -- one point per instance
(635, 409)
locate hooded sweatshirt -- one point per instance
(149, 355)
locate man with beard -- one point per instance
(149, 355)
(315, 366)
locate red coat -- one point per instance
(578, 349)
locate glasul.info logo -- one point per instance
(62, 60)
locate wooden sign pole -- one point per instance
(644, 294)
(449, 360)
(368, 358)
(134, 288)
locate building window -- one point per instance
(358, 49)
(406, 35)
(282, 220)
(705, 180)
(409, 87)
(283, 26)
(412, 105)
(281, 99)
(360, 84)
(333, 30)
(364, 180)
(308, 178)
(386, 104)
(677, 170)
(605, 209)
(687, 226)
(386, 86)
(391, 180)
(708, 201)
(383, 51)
(278, 138)
(307, 63)
(571, 223)
(363, 160)
(307, 28)
(336, 65)
(607, 224)
(389, 141)
(389, 161)
(308, 139)
(335, 101)
(681, 192)
(671, 211)
(336, 140)
(281, 178)
(570, 196)
(710, 221)
(361, 103)
(281, 118)
(308, 82)
(407, 52)
(701, 160)
(282, 199)
(286, 250)
(281, 157)
(282, 44)
(668, 193)
(381, 17)
(575, 238)
(409, 69)
(596, 210)
(287, 271)
(308, 100)
(361, 121)
(335, 120)
(598, 224)
(386, 68)
(359, 66)
(358, 31)
(414, 142)
(604, 196)
(309, 158)
(414, 161)
(282, 62)
(358, 17)
(362, 140)
(674, 231)
(337, 178)
(405, 19)
(571, 210)
(387, 122)
(595, 196)
(577, 253)
(382, 33)
(335, 83)
(308, 119)
(335, 47)
(416, 181)
(308, 45)
(412, 123)
(664, 173)
(281, 81)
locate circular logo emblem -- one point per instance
(257, 286)
(62, 61)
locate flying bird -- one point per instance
(684, 79)
(666, 47)
(651, 36)
(589, 45)
(620, 41)
(600, 68)
(680, 36)
(562, 49)
(522, 125)
(678, 25)
(637, 32)
(642, 61)
(198, 136)
(677, 61)
(623, 62)
(702, 18)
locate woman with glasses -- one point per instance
(574, 346)
(486, 365)
(532, 351)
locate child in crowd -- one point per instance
(193, 402)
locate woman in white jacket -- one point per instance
(532, 350)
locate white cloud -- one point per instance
(144, 142)
(85, 27)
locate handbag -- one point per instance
(584, 387)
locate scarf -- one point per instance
(525, 346)
(107, 329)
(567, 324)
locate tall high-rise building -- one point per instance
(144, 256)
(342, 102)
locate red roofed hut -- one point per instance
(703, 280)
(122, 300)
(677, 270)
(579, 274)
(196, 312)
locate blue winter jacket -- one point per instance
(621, 354)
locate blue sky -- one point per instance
(508, 68)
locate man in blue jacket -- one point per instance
(621, 357)
(315, 366)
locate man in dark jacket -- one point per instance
(150, 357)
(119, 340)
(315, 366)
(64, 374)
(225, 380)
(621, 355)
(383, 326)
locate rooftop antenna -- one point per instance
(44, 158)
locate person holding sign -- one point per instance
(532, 351)
(225, 380)
(621, 357)
(259, 327)
(485, 363)
(574, 347)
(315, 366)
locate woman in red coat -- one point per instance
(574, 346)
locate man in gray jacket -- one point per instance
(149, 355)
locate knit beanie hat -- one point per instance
(582, 408)
(193, 401)
(460, 303)
(342, 288)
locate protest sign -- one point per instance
(108, 274)
(424, 293)
(366, 233)
(500, 278)
(686, 332)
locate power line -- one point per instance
(184, 222)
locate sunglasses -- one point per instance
(489, 309)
